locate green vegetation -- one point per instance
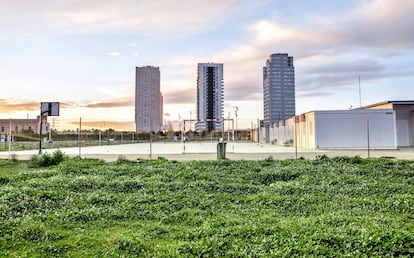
(46, 160)
(324, 207)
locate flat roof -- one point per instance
(394, 102)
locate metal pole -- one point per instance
(150, 137)
(368, 147)
(251, 132)
(222, 129)
(80, 136)
(235, 112)
(359, 86)
(296, 140)
(10, 138)
(189, 131)
(232, 128)
(228, 128)
(184, 137)
(50, 133)
(180, 132)
(40, 132)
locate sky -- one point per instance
(83, 54)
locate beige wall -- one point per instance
(22, 125)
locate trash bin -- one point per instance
(221, 150)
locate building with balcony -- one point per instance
(209, 97)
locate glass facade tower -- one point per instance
(278, 88)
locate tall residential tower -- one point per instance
(209, 97)
(278, 88)
(148, 99)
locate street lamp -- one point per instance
(190, 124)
(235, 113)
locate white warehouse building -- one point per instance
(386, 125)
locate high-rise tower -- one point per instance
(148, 99)
(209, 97)
(278, 88)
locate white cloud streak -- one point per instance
(113, 53)
(94, 15)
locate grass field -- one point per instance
(323, 207)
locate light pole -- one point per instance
(180, 134)
(10, 137)
(228, 130)
(235, 113)
(80, 136)
(150, 136)
(190, 125)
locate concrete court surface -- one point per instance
(208, 151)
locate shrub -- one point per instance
(46, 160)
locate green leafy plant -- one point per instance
(46, 160)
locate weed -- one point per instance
(46, 160)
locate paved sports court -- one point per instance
(208, 151)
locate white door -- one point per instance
(402, 133)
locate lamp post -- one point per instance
(180, 132)
(10, 137)
(235, 113)
(150, 137)
(40, 133)
(228, 130)
(80, 137)
(190, 119)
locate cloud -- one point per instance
(180, 96)
(113, 54)
(329, 53)
(112, 103)
(119, 126)
(275, 33)
(382, 24)
(94, 15)
(12, 105)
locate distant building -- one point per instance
(209, 97)
(16, 126)
(278, 88)
(148, 99)
(390, 125)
